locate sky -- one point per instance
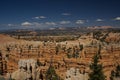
(42, 14)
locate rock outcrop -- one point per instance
(27, 70)
(74, 74)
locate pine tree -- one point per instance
(96, 69)
(117, 71)
(115, 74)
(1, 64)
(112, 75)
(51, 74)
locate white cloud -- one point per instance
(66, 14)
(117, 18)
(37, 24)
(64, 22)
(99, 20)
(51, 23)
(10, 25)
(80, 21)
(42, 17)
(36, 17)
(39, 17)
(26, 24)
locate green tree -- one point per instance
(56, 49)
(1, 64)
(96, 69)
(51, 74)
(112, 75)
(117, 74)
(69, 54)
(97, 35)
(81, 47)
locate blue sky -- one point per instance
(20, 14)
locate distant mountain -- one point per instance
(100, 27)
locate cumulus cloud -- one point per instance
(50, 23)
(42, 17)
(64, 22)
(99, 20)
(66, 14)
(80, 21)
(37, 24)
(117, 18)
(36, 17)
(11, 25)
(39, 17)
(26, 24)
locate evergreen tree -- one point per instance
(117, 71)
(112, 75)
(81, 47)
(115, 74)
(51, 74)
(96, 69)
(1, 64)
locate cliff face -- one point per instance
(22, 56)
